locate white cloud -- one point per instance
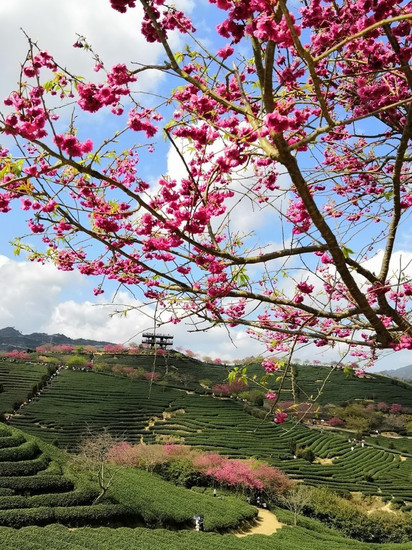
(29, 292)
(53, 24)
(216, 343)
(34, 299)
(400, 264)
(98, 321)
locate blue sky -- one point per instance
(39, 298)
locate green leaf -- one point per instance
(232, 375)
(241, 277)
(5, 171)
(48, 85)
(17, 167)
(347, 251)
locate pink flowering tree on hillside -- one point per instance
(298, 113)
(17, 354)
(243, 475)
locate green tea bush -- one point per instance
(72, 498)
(310, 535)
(36, 484)
(16, 501)
(24, 468)
(73, 516)
(182, 472)
(98, 514)
(9, 440)
(308, 455)
(160, 502)
(353, 522)
(21, 517)
(27, 450)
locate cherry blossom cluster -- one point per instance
(157, 23)
(70, 145)
(122, 5)
(93, 97)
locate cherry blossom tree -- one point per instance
(234, 388)
(239, 474)
(336, 422)
(17, 354)
(221, 389)
(292, 131)
(114, 348)
(243, 474)
(152, 376)
(396, 408)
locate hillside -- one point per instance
(340, 388)
(36, 486)
(76, 402)
(403, 373)
(51, 401)
(11, 339)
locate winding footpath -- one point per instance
(266, 524)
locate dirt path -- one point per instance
(166, 415)
(266, 524)
(381, 507)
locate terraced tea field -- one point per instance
(76, 402)
(222, 426)
(39, 485)
(18, 381)
(340, 388)
(309, 381)
(34, 489)
(310, 535)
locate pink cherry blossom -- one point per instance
(280, 417)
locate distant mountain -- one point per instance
(11, 339)
(404, 373)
